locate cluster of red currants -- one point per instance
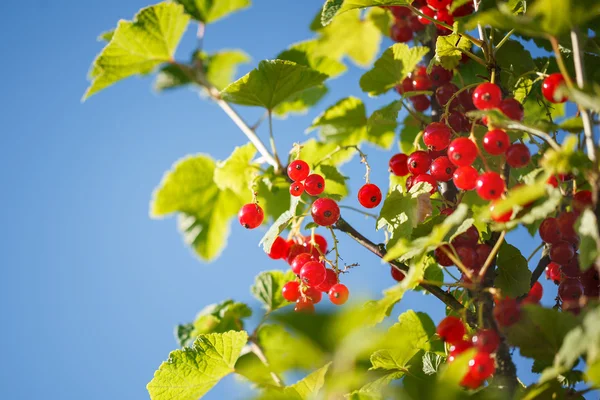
(469, 251)
(420, 80)
(303, 180)
(486, 341)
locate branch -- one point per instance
(379, 251)
(261, 356)
(540, 268)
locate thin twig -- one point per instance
(492, 255)
(272, 139)
(261, 356)
(504, 40)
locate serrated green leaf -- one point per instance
(410, 129)
(300, 103)
(273, 82)
(513, 57)
(215, 318)
(106, 36)
(267, 288)
(273, 193)
(391, 68)
(335, 182)
(204, 210)
(208, 11)
(237, 171)
(513, 276)
(587, 228)
(139, 46)
(384, 119)
(321, 63)
(336, 7)
(309, 387)
(376, 390)
(447, 50)
(191, 372)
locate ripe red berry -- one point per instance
(535, 294)
(298, 170)
(549, 230)
(279, 249)
(313, 294)
(486, 341)
(294, 250)
(445, 17)
(572, 269)
(419, 162)
(398, 275)
(582, 200)
(490, 186)
(496, 142)
(399, 164)
(439, 75)
(320, 246)
(299, 261)
(507, 312)
(456, 349)
(442, 169)
(420, 102)
(401, 33)
(566, 223)
(458, 122)
(553, 272)
(405, 86)
(550, 87)
(428, 179)
(421, 83)
(483, 252)
(444, 93)
(465, 178)
(468, 257)
(482, 366)
(451, 329)
(570, 289)
(420, 70)
(313, 273)
(499, 217)
(469, 238)
(400, 12)
(517, 155)
(562, 252)
(314, 184)
(469, 382)
(296, 189)
(439, 4)
(462, 151)
(415, 24)
(441, 257)
(447, 211)
(291, 291)
(436, 136)
(331, 279)
(369, 196)
(409, 182)
(338, 294)
(304, 305)
(487, 95)
(251, 216)
(464, 10)
(512, 109)
(430, 12)
(553, 181)
(325, 212)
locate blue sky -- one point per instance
(90, 287)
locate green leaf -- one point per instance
(540, 332)
(252, 368)
(376, 390)
(139, 46)
(267, 288)
(215, 318)
(191, 372)
(587, 228)
(513, 57)
(538, 212)
(321, 63)
(208, 11)
(301, 102)
(279, 225)
(106, 36)
(335, 182)
(273, 82)
(385, 119)
(513, 276)
(273, 193)
(431, 363)
(381, 18)
(336, 7)
(391, 68)
(410, 129)
(447, 50)
(204, 209)
(236, 172)
(309, 387)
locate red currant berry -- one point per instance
(296, 189)
(458, 348)
(444, 93)
(486, 341)
(320, 246)
(499, 217)
(369, 196)
(465, 178)
(409, 182)
(279, 249)
(458, 122)
(427, 179)
(300, 260)
(419, 71)
(331, 279)
(483, 252)
(496, 142)
(451, 330)
(553, 181)
(562, 252)
(305, 306)
(466, 100)
(437, 136)
(572, 269)
(439, 75)
(582, 200)
(507, 312)
(295, 249)
(553, 272)
(482, 366)
(517, 155)
(436, 154)
(291, 291)
(464, 10)
(338, 294)
(298, 170)
(439, 4)
(325, 212)
(430, 12)
(441, 256)
(399, 164)
(490, 186)
(251, 216)
(467, 256)
(551, 85)
(487, 95)
(570, 289)
(445, 17)
(462, 152)
(398, 275)
(415, 24)
(419, 162)
(512, 109)
(313, 273)
(535, 294)
(400, 12)
(566, 223)
(442, 169)
(549, 230)
(420, 102)
(421, 83)
(469, 382)
(401, 33)
(447, 211)
(469, 238)
(591, 282)
(313, 294)
(314, 184)
(405, 87)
